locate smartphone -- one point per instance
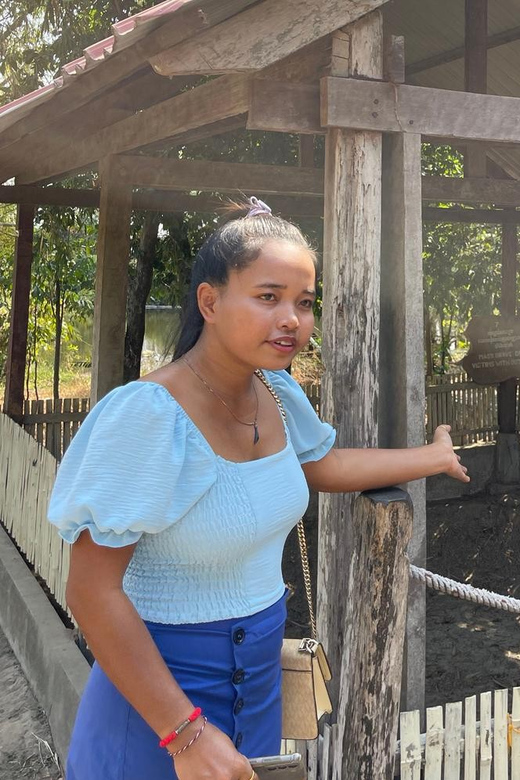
(289, 767)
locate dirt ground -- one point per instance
(26, 749)
(469, 648)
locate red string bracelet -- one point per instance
(197, 712)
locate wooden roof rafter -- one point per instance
(280, 38)
(143, 90)
(186, 22)
(443, 57)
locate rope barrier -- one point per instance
(462, 591)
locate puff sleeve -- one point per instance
(135, 466)
(311, 438)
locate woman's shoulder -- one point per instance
(311, 438)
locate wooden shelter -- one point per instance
(375, 78)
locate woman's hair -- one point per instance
(232, 247)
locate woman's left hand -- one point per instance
(454, 467)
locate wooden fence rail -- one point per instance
(461, 743)
(470, 409)
(27, 474)
(53, 423)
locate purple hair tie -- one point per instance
(257, 207)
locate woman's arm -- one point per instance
(342, 471)
(128, 655)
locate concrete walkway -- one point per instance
(26, 749)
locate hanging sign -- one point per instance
(494, 352)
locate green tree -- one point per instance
(62, 279)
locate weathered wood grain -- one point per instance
(500, 736)
(114, 105)
(500, 192)
(286, 107)
(185, 23)
(263, 34)
(434, 743)
(206, 175)
(434, 112)
(111, 281)
(401, 356)
(351, 276)
(470, 738)
(202, 105)
(370, 673)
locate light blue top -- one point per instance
(209, 532)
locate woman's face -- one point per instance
(264, 315)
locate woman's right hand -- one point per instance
(212, 757)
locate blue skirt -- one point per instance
(230, 668)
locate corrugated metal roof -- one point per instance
(124, 34)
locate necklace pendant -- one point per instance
(256, 437)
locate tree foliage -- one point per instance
(38, 37)
(462, 270)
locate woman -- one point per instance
(177, 495)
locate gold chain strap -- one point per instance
(302, 541)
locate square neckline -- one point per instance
(206, 443)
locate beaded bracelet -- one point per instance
(185, 723)
(192, 740)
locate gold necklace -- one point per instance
(254, 424)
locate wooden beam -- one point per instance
(111, 280)
(277, 181)
(49, 196)
(209, 176)
(230, 125)
(211, 102)
(263, 34)
(393, 108)
(351, 276)
(185, 22)
(444, 189)
(307, 65)
(134, 94)
(163, 201)
(475, 72)
(379, 578)
(17, 346)
(285, 107)
(471, 216)
(443, 57)
(401, 357)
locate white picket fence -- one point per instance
(27, 474)
(461, 743)
(478, 739)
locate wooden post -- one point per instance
(507, 453)
(370, 678)
(475, 72)
(111, 280)
(402, 392)
(351, 275)
(17, 348)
